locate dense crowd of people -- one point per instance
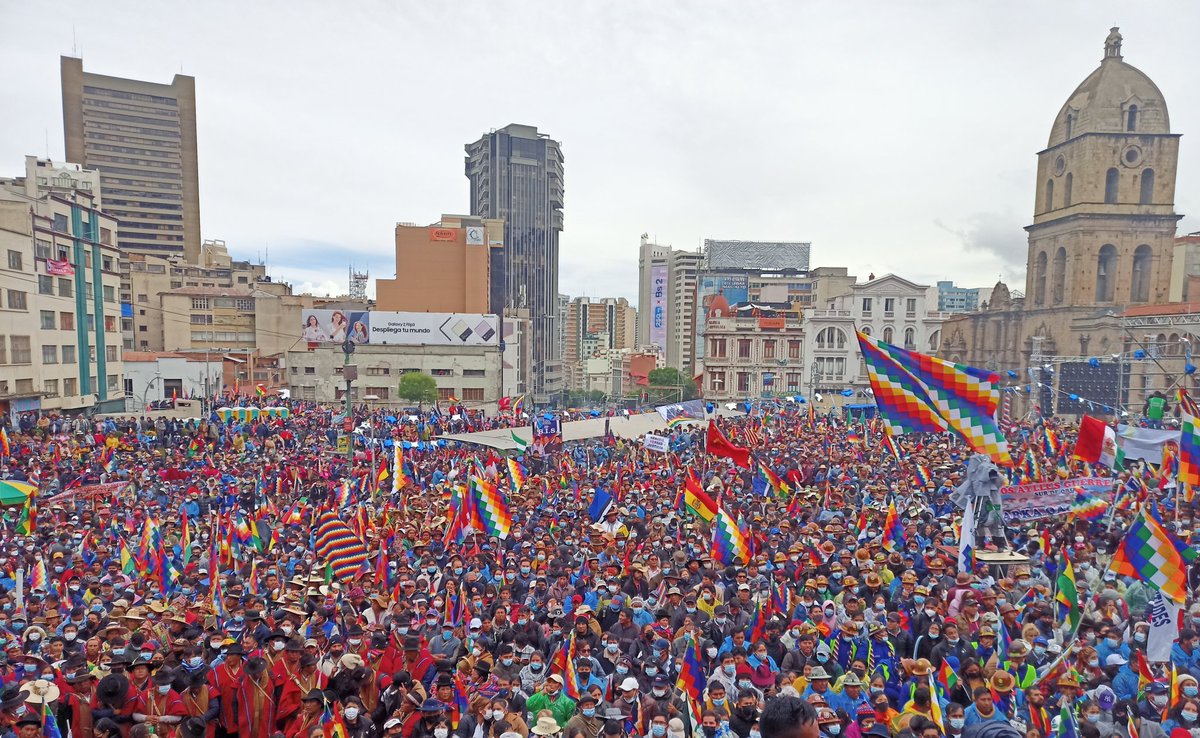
(165, 581)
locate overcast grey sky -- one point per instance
(896, 137)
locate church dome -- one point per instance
(1116, 98)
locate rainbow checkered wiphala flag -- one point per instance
(730, 547)
(962, 397)
(1189, 448)
(902, 402)
(492, 508)
(1149, 554)
(338, 545)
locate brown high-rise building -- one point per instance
(443, 267)
(141, 136)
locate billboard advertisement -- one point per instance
(735, 288)
(658, 306)
(399, 329)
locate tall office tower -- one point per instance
(516, 174)
(141, 136)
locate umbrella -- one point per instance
(15, 493)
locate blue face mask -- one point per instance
(589, 712)
(659, 730)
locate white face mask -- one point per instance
(440, 732)
(351, 713)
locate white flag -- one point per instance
(1163, 615)
(966, 539)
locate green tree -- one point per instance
(670, 377)
(417, 387)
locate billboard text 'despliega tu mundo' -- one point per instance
(411, 329)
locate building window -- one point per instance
(112, 382)
(22, 353)
(60, 223)
(45, 285)
(14, 260)
(1147, 195)
(1110, 186)
(910, 339)
(16, 300)
(70, 386)
(1067, 189)
(65, 287)
(47, 320)
(110, 353)
(143, 297)
(41, 249)
(442, 372)
(887, 334)
(1131, 119)
(769, 349)
(245, 304)
(1039, 279)
(467, 372)
(866, 307)
(110, 294)
(793, 381)
(445, 393)
(1106, 267)
(24, 386)
(831, 338)
(309, 370)
(910, 307)
(716, 381)
(1049, 204)
(935, 340)
(472, 394)
(743, 381)
(718, 348)
(202, 319)
(889, 306)
(793, 349)
(743, 348)
(199, 303)
(50, 387)
(68, 354)
(106, 263)
(49, 354)
(1059, 276)
(1139, 288)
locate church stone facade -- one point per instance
(1102, 236)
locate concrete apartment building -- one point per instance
(145, 278)
(59, 316)
(469, 373)
(752, 349)
(141, 136)
(594, 326)
(667, 280)
(443, 267)
(516, 175)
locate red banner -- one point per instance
(58, 268)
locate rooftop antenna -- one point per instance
(358, 284)
(74, 42)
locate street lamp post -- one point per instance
(349, 373)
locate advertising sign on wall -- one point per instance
(403, 329)
(658, 306)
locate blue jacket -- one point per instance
(1185, 661)
(1125, 683)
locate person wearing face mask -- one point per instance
(1151, 707)
(160, 705)
(587, 721)
(745, 713)
(1185, 716)
(552, 697)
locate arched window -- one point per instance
(1059, 276)
(1067, 189)
(935, 340)
(1039, 280)
(887, 334)
(866, 330)
(1173, 344)
(1110, 186)
(1106, 270)
(1131, 119)
(1070, 123)
(831, 338)
(910, 339)
(1049, 205)
(1147, 187)
(1139, 286)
